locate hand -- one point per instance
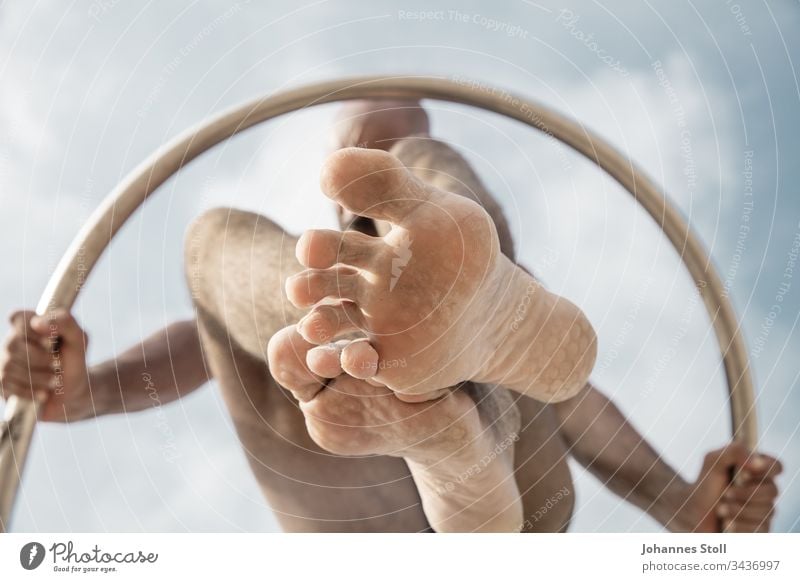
(45, 358)
(715, 504)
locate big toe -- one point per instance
(374, 184)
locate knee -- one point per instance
(234, 243)
(200, 238)
(209, 237)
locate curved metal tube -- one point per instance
(87, 247)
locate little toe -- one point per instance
(325, 360)
(359, 359)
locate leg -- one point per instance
(235, 264)
(462, 471)
(540, 454)
(435, 291)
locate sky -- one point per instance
(703, 96)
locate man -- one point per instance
(373, 429)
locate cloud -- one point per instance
(610, 254)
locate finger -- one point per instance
(12, 387)
(326, 323)
(30, 354)
(325, 361)
(35, 379)
(374, 184)
(742, 526)
(761, 466)
(313, 285)
(286, 355)
(761, 492)
(746, 512)
(359, 359)
(24, 330)
(21, 318)
(320, 249)
(60, 323)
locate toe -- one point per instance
(286, 355)
(320, 249)
(326, 323)
(325, 360)
(374, 184)
(359, 359)
(313, 285)
(426, 397)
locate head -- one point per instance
(378, 123)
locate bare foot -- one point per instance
(435, 297)
(348, 416)
(375, 124)
(464, 470)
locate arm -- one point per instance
(48, 356)
(168, 364)
(602, 439)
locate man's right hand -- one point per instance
(45, 357)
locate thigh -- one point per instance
(238, 290)
(308, 488)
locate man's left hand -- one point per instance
(716, 504)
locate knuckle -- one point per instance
(15, 343)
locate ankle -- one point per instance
(472, 490)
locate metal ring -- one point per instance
(108, 218)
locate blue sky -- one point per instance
(696, 94)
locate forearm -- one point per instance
(602, 440)
(165, 366)
(473, 490)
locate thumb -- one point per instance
(722, 460)
(60, 323)
(21, 320)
